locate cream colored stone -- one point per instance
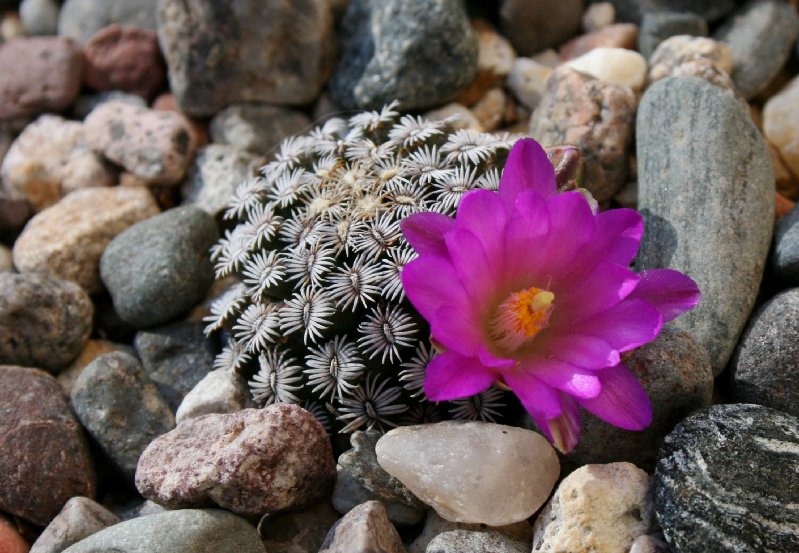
(614, 65)
(781, 123)
(598, 16)
(461, 468)
(596, 508)
(495, 53)
(458, 115)
(527, 80)
(490, 109)
(683, 49)
(220, 391)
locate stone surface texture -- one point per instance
(634, 10)
(81, 19)
(91, 351)
(10, 539)
(618, 66)
(535, 25)
(685, 56)
(348, 493)
(434, 525)
(619, 35)
(457, 541)
(658, 26)
(39, 17)
(257, 128)
(298, 532)
(216, 173)
(365, 529)
(220, 391)
(785, 259)
(781, 124)
(527, 80)
(80, 518)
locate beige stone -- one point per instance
(490, 109)
(495, 53)
(459, 116)
(781, 124)
(220, 391)
(527, 80)
(365, 529)
(684, 49)
(614, 65)
(598, 16)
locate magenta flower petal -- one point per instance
(427, 294)
(528, 225)
(425, 232)
(540, 400)
(564, 430)
(527, 168)
(589, 352)
(603, 288)
(668, 291)
(456, 329)
(452, 376)
(475, 270)
(568, 378)
(483, 213)
(488, 359)
(622, 402)
(626, 326)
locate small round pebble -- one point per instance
(39, 17)
(81, 19)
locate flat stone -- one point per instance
(619, 35)
(252, 462)
(81, 19)
(182, 531)
(159, 268)
(300, 532)
(219, 391)
(711, 10)
(437, 462)
(67, 239)
(80, 518)
(44, 321)
(365, 529)
(457, 541)
(434, 525)
(724, 250)
(535, 25)
(613, 65)
(39, 17)
(595, 116)
(215, 174)
(120, 408)
(257, 128)
(726, 481)
(348, 493)
(45, 458)
(658, 26)
(781, 123)
(596, 508)
(421, 53)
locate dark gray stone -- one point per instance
(657, 27)
(786, 248)
(348, 494)
(634, 10)
(80, 518)
(706, 189)
(44, 321)
(457, 541)
(761, 35)
(182, 531)
(159, 268)
(726, 481)
(421, 53)
(535, 25)
(175, 357)
(258, 128)
(301, 532)
(766, 365)
(121, 408)
(80, 19)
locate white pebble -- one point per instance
(614, 65)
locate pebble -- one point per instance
(175, 358)
(80, 518)
(724, 251)
(81, 19)
(767, 361)
(786, 248)
(181, 531)
(595, 116)
(348, 493)
(45, 458)
(257, 128)
(535, 25)
(6, 262)
(458, 541)
(39, 74)
(527, 81)
(159, 268)
(86, 103)
(684, 56)
(490, 109)
(761, 35)
(126, 59)
(726, 481)
(44, 322)
(39, 17)
(437, 462)
(613, 65)
(596, 508)
(658, 26)
(781, 123)
(495, 54)
(10, 539)
(252, 462)
(91, 351)
(458, 115)
(215, 174)
(121, 408)
(711, 10)
(156, 146)
(434, 525)
(281, 50)
(421, 53)
(67, 239)
(365, 529)
(219, 391)
(618, 35)
(300, 532)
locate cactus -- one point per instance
(319, 316)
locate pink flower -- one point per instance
(531, 289)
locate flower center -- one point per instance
(519, 318)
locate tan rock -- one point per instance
(682, 50)
(435, 525)
(490, 109)
(220, 391)
(614, 65)
(80, 518)
(781, 124)
(495, 53)
(67, 239)
(459, 116)
(598, 16)
(365, 529)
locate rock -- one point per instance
(252, 462)
(495, 55)
(434, 525)
(652, 543)
(6, 262)
(458, 115)
(39, 17)
(44, 321)
(348, 493)
(219, 391)
(536, 25)
(437, 462)
(658, 26)
(613, 65)
(257, 128)
(711, 10)
(39, 74)
(781, 124)
(786, 248)
(86, 103)
(175, 358)
(767, 361)
(120, 408)
(220, 52)
(725, 249)
(457, 541)
(80, 518)
(125, 58)
(595, 116)
(726, 481)
(365, 529)
(10, 539)
(45, 458)
(598, 16)
(156, 146)
(216, 173)
(302, 532)
(619, 35)
(684, 56)
(421, 53)
(596, 508)
(490, 109)
(182, 531)
(81, 19)
(13, 214)
(761, 35)
(91, 351)
(527, 80)
(67, 239)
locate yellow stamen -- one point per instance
(521, 317)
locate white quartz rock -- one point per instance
(475, 472)
(614, 65)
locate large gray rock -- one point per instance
(706, 189)
(183, 531)
(80, 518)
(298, 532)
(80, 19)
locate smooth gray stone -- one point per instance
(39, 17)
(634, 10)
(348, 494)
(458, 541)
(658, 26)
(786, 248)
(182, 531)
(706, 190)
(80, 19)
(80, 518)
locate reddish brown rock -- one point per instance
(365, 529)
(252, 462)
(620, 35)
(45, 459)
(10, 540)
(125, 58)
(38, 74)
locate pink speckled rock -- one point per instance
(252, 462)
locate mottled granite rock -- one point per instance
(80, 518)
(365, 529)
